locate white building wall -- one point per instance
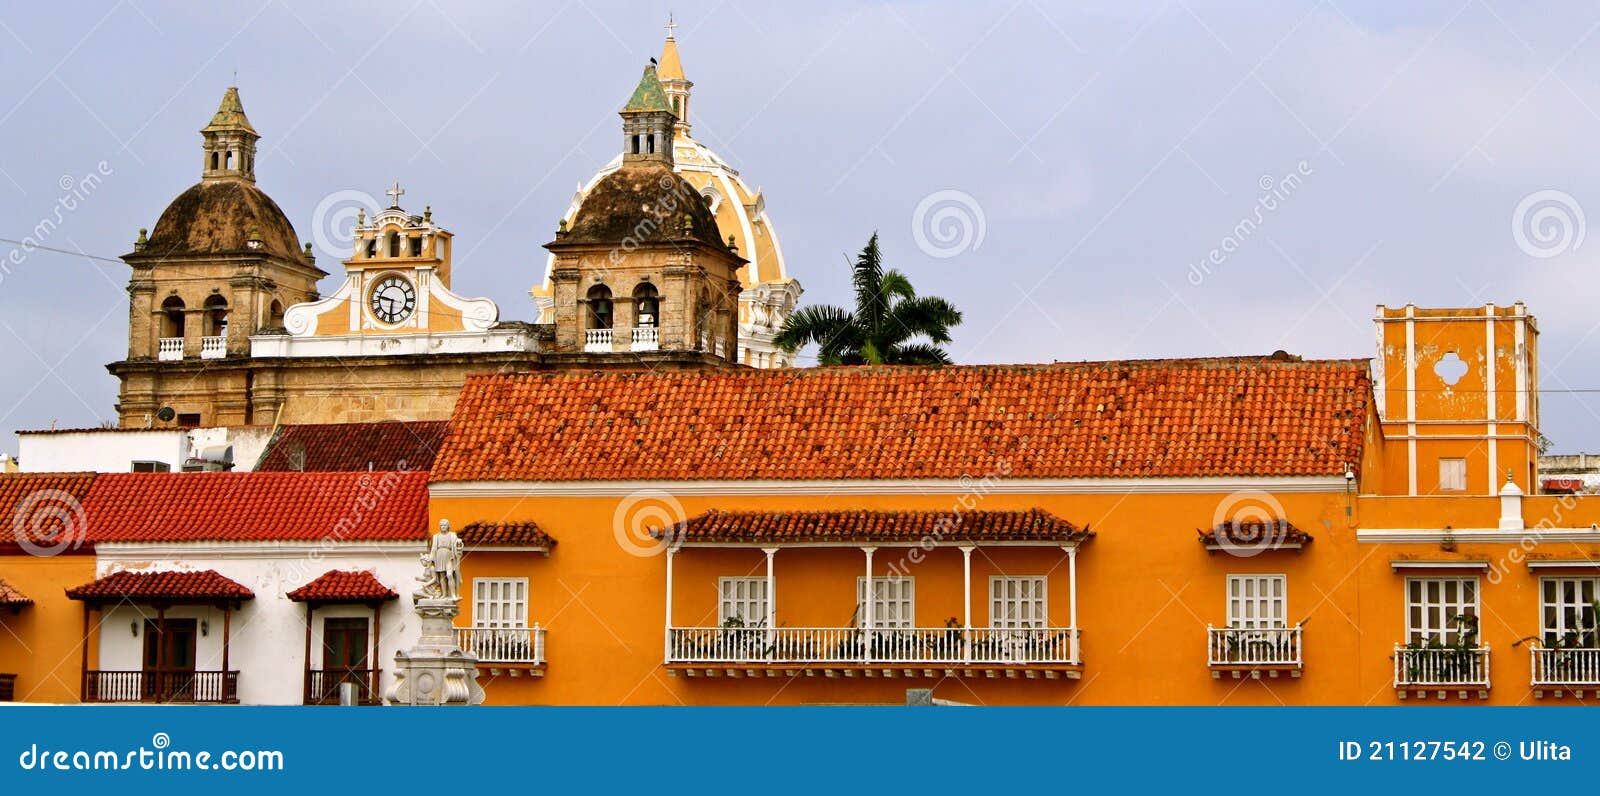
(110, 451)
(269, 632)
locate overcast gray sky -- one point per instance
(1082, 160)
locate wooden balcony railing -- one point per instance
(888, 646)
(1445, 667)
(323, 686)
(1247, 647)
(1566, 668)
(518, 645)
(160, 686)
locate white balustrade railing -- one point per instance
(213, 347)
(1566, 667)
(1444, 666)
(646, 338)
(1238, 646)
(916, 646)
(170, 348)
(503, 644)
(597, 341)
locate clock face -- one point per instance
(393, 299)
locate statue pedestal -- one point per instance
(436, 671)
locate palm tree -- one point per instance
(889, 317)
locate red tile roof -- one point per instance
(46, 510)
(11, 598)
(799, 527)
(226, 507)
(1255, 535)
(339, 586)
(343, 447)
(1173, 418)
(192, 587)
(506, 534)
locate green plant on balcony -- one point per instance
(1454, 662)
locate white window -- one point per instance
(1017, 602)
(1440, 608)
(893, 602)
(743, 601)
(500, 602)
(1569, 611)
(1258, 602)
(1452, 475)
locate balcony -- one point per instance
(325, 687)
(597, 341)
(926, 651)
(213, 347)
(161, 686)
(516, 650)
(1238, 650)
(1441, 670)
(1558, 670)
(169, 349)
(646, 338)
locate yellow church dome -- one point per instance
(741, 214)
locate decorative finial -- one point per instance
(144, 236)
(254, 241)
(670, 26)
(427, 213)
(733, 247)
(395, 192)
(561, 229)
(361, 217)
(688, 223)
(311, 257)
(1509, 479)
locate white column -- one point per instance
(866, 599)
(772, 596)
(667, 651)
(966, 603)
(1072, 598)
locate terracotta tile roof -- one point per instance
(506, 534)
(343, 447)
(799, 527)
(225, 507)
(1255, 535)
(204, 586)
(1172, 418)
(46, 510)
(10, 597)
(340, 586)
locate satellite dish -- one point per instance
(166, 414)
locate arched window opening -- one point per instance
(394, 245)
(636, 145)
(275, 314)
(216, 161)
(646, 306)
(599, 307)
(216, 324)
(172, 317)
(230, 158)
(372, 248)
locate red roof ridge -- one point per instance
(342, 585)
(164, 585)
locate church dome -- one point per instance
(218, 217)
(647, 203)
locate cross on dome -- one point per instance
(395, 192)
(670, 26)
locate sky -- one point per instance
(1062, 173)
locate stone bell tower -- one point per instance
(642, 269)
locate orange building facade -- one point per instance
(1233, 531)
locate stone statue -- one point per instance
(441, 566)
(437, 671)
